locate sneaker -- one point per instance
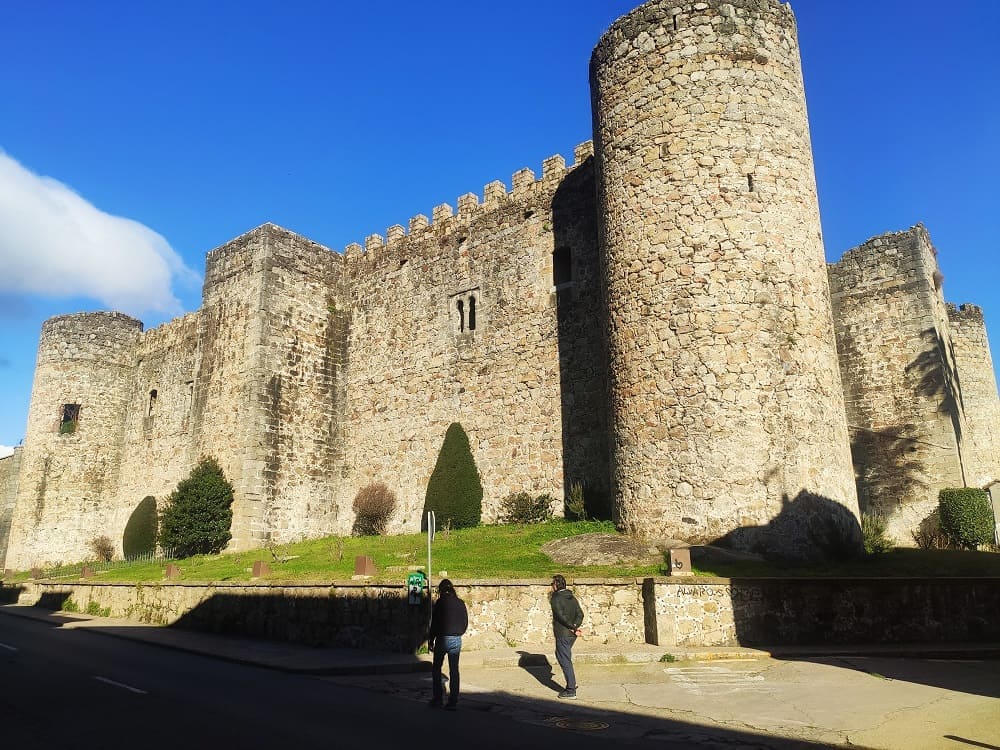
(568, 695)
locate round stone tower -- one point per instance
(727, 409)
(84, 378)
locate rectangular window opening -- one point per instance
(70, 419)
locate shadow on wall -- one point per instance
(938, 379)
(582, 358)
(9, 594)
(383, 622)
(888, 468)
(809, 529)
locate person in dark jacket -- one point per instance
(449, 620)
(567, 616)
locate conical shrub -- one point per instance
(454, 491)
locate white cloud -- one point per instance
(6, 450)
(55, 243)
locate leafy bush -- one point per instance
(373, 507)
(966, 516)
(873, 532)
(520, 507)
(103, 548)
(198, 515)
(576, 506)
(928, 534)
(454, 491)
(139, 537)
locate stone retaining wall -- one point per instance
(661, 611)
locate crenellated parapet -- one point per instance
(446, 219)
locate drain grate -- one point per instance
(581, 725)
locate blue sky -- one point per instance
(165, 129)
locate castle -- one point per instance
(655, 321)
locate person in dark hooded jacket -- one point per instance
(449, 620)
(567, 616)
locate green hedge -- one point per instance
(966, 516)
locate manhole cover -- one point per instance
(581, 725)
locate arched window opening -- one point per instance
(461, 316)
(472, 313)
(152, 403)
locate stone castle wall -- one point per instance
(10, 471)
(722, 352)
(157, 446)
(977, 389)
(68, 486)
(653, 321)
(906, 418)
(419, 360)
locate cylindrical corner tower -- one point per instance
(727, 409)
(72, 448)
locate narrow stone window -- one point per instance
(675, 21)
(70, 419)
(562, 266)
(461, 316)
(472, 312)
(750, 182)
(152, 403)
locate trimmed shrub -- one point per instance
(198, 514)
(454, 491)
(576, 505)
(966, 516)
(139, 537)
(520, 507)
(373, 507)
(104, 548)
(873, 533)
(928, 534)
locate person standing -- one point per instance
(567, 616)
(449, 620)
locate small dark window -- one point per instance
(750, 182)
(152, 402)
(472, 313)
(461, 316)
(562, 266)
(70, 419)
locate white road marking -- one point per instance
(9, 648)
(120, 684)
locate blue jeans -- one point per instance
(452, 646)
(564, 655)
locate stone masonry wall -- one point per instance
(978, 393)
(660, 611)
(157, 447)
(10, 469)
(67, 490)
(225, 420)
(297, 389)
(722, 352)
(526, 382)
(904, 413)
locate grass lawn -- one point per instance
(511, 552)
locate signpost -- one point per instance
(431, 527)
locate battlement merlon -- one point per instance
(495, 195)
(966, 313)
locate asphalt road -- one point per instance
(66, 687)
